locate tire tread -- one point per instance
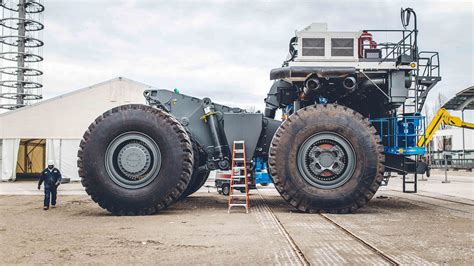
(186, 148)
(291, 196)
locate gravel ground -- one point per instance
(408, 228)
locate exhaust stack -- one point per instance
(349, 83)
(311, 85)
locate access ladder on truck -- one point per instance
(239, 178)
(410, 178)
(426, 76)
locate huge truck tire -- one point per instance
(200, 171)
(326, 158)
(135, 160)
(200, 176)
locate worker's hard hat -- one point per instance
(50, 162)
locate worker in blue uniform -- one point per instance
(52, 179)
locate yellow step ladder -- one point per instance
(239, 178)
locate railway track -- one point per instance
(293, 252)
(383, 255)
(432, 201)
(446, 200)
(306, 259)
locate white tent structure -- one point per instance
(60, 123)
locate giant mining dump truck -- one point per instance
(350, 106)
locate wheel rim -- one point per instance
(133, 160)
(326, 160)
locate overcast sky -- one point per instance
(226, 49)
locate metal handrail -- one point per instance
(388, 130)
(431, 65)
(452, 151)
(398, 45)
(452, 163)
(405, 45)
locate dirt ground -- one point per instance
(408, 228)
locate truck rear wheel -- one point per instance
(135, 160)
(200, 171)
(198, 179)
(326, 158)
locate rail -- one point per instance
(428, 64)
(451, 152)
(392, 50)
(399, 134)
(467, 164)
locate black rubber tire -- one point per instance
(199, 175)
(306, 122)
(198, 179)
(225, 189)
(202, 176)
(176, 160)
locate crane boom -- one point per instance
(442, 116)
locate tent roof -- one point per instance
(464, 100)
(67, 116)
(72, 93)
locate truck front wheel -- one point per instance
(135, 159)
(326, 158)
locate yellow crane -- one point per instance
(443, 116)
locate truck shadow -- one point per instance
(213, 203)
(383, 204)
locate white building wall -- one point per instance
(456, 133)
